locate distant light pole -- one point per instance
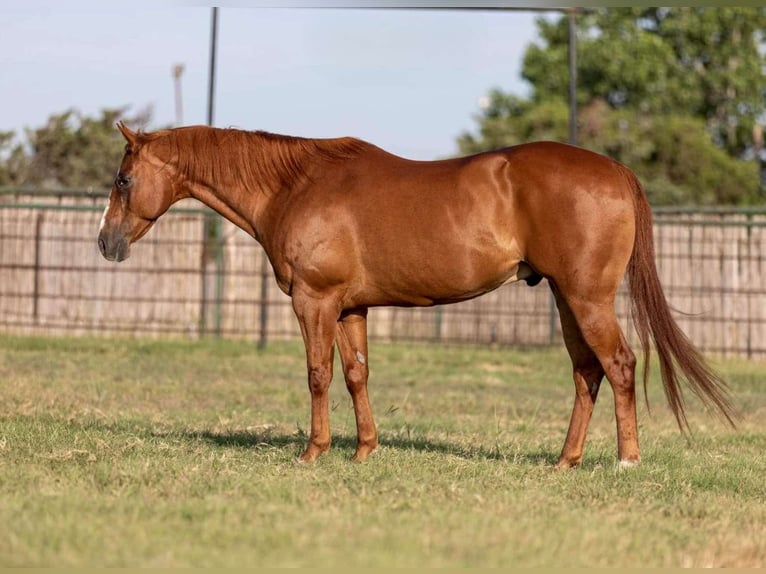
(178, 70)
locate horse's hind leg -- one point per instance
(352, 344)
(588, 374)
(602, 333)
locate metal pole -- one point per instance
(213, 225)
(264, 322)
(571, 15)
(202, 327)
(207, 225)
(438, 320)
(572, 33)
(211, 74)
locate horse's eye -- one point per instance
(122, 181)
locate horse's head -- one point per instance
(143, 190)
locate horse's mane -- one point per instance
(250, 159)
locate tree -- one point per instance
(703, 62)
(509, 120)
(672, 154)
(652, 94)
(71, 151)
(12, 160)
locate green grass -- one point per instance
(118, 452)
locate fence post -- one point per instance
(264, 317)
(219, 275)
(551, 318)
(212, 252)
(206, 224)
(36, 287)
(438, 324)
(748, 279)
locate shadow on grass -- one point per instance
(248, 439)
(278, 439)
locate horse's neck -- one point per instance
(244, 195)
(247, 173)
(231, 204)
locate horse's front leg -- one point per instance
(318, 317)
(352, 344)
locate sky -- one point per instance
(409, 81)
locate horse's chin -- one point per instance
(119, 257)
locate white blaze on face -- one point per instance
(103, 217)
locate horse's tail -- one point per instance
(651, 315)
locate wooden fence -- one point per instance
(181, 282)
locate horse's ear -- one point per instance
(128, 134)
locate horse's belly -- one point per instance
(437, 258)
(437, 285)
(517, 272)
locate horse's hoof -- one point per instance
(626, 464)
(311, 454)
(565, 464)
(363, 453)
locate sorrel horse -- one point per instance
(348, 226)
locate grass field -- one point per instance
(146, 453)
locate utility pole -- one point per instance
(572, 29)
(211, 71)
(212, 231)
(178, 70)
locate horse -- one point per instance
(348, 226)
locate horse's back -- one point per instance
(519, 194)
(550, 168)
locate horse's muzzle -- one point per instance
(113, 247)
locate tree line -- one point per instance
(677, 94)
(71, 151)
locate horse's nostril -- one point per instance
(102, 246)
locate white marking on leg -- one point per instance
(626, 464)
(360, 357)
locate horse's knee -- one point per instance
(319, 379)
(356, 376)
